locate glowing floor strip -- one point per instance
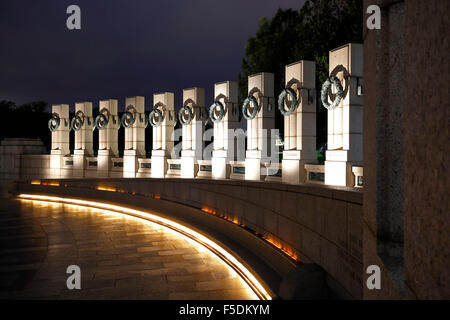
(246, 275)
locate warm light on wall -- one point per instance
(208, 210)
(273, 241)
(112, 189)
(277, 243)
(106, 189)
(45, 183)
(245, 274)
(50, 183)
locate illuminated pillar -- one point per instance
(259, 139)
(191, 117)
(345, 121)
(133, 121)
(225, 116)
(299, 123)
(82, 124)
(108, 126)
(163, 123)
(60, 138)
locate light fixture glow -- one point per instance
(243, 272)
(106, 189)
(270, 239)
(51, 183)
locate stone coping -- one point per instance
(348, 194)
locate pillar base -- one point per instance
(253, 165)
(220, 165)
(104, 163)
(159, 164)
(79, 163)
(338, 171)
(67, 167)
(56, 163)
(189, 166)
(292, 167)
(130, 163)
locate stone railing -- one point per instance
(315, 173)
(273, 172)
(204, 169)
(38, 166)
(174, 168)
(145, 168)
(358, 173)
(35, 166)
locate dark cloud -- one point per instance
(125, 48)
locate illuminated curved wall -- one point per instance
(299, 223)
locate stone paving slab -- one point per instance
(120, 257)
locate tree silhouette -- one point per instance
(25, 121)
(307, 34)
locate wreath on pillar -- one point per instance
(102, 120)
(182, 111)
(151, 118)
(282, 98)
(54, 122)
(78, 121)
(129, 117)
(339, 94)
(246, 105)
(212, 112)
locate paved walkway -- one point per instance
(120, 257)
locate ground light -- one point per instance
(200, 239)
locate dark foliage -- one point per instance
(25, 121)
(308, 34)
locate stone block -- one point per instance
(311, 246)
(335, 221)
(289, 205)
(306, 282)
(253, 169)
(354, 227)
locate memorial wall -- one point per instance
(254, 156)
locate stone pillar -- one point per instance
(300, 125)
(60, 138)
(163, 124)
(134, 122)
(345, 121)
(406, 134)
(82, 125)
(259, 139)
(192, 148)
(226, 96)
(107, 141)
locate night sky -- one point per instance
(125, 47)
